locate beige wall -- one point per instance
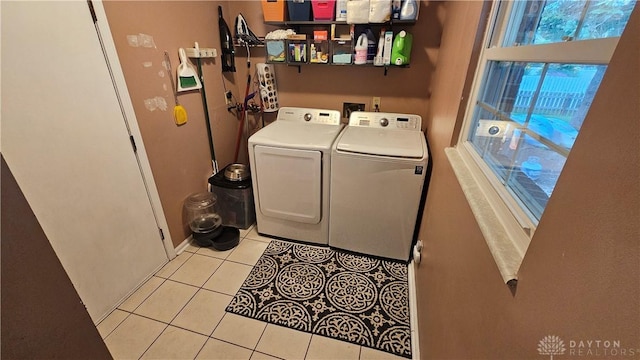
(580, 279)
(402, 90)
(179, 155)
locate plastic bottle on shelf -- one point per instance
(313, 57)
(341, 10)
(371, 46)
(409, 10)
(361, 50)
(396, 5)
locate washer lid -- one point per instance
(297, 134)
(383, 142)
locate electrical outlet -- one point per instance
(348, 108)
(375, 103)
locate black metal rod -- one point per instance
(206, 117)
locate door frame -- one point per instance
(129, 116)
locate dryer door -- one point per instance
(289, 183)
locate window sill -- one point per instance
(507, 245)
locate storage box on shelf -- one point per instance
(297, 49)
(274, 10)
(319, 50)
(341, 51)
(276, 51)
(323, 10)
(299, 10)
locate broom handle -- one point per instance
(242, 119)
(203, 94)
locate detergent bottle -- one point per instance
(409, 10)
(361, 50)
(371, 46)
(401, 50)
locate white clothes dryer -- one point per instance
(290, 165)
(378, 169)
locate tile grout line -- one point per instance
(202, 347)
(260, 338)
(174, 271)
(147, 297)
(143, 300)
(165, 323)
(117, 326)
(214, 271)
(306, 352)
(253, 350)
(262, 353)
(203, 288)
(176, 315)
(154, 341)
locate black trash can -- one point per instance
(235, 200)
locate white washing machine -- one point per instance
(378, 168)
(290, 168)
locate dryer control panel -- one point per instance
(307, 115)
(385, 120)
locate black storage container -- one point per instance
(235, 200)
(299, 10)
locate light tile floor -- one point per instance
(179, 313)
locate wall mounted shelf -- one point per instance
(321, 23)
(307, 27)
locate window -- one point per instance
(539, 70)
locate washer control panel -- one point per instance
(385, 120)
(313, 116)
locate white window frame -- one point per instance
(517, 225)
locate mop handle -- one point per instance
(242, 120)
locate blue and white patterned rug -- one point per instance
(340, 295)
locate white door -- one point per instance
(65, 139)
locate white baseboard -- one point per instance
(183, 245)
(413, 311)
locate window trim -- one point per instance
(505, 208)
(592, 51)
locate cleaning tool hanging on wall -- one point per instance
(244, 34)
(198, 56)
(243, 118)
(179, 112)
(187, 77)
(226, 43)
